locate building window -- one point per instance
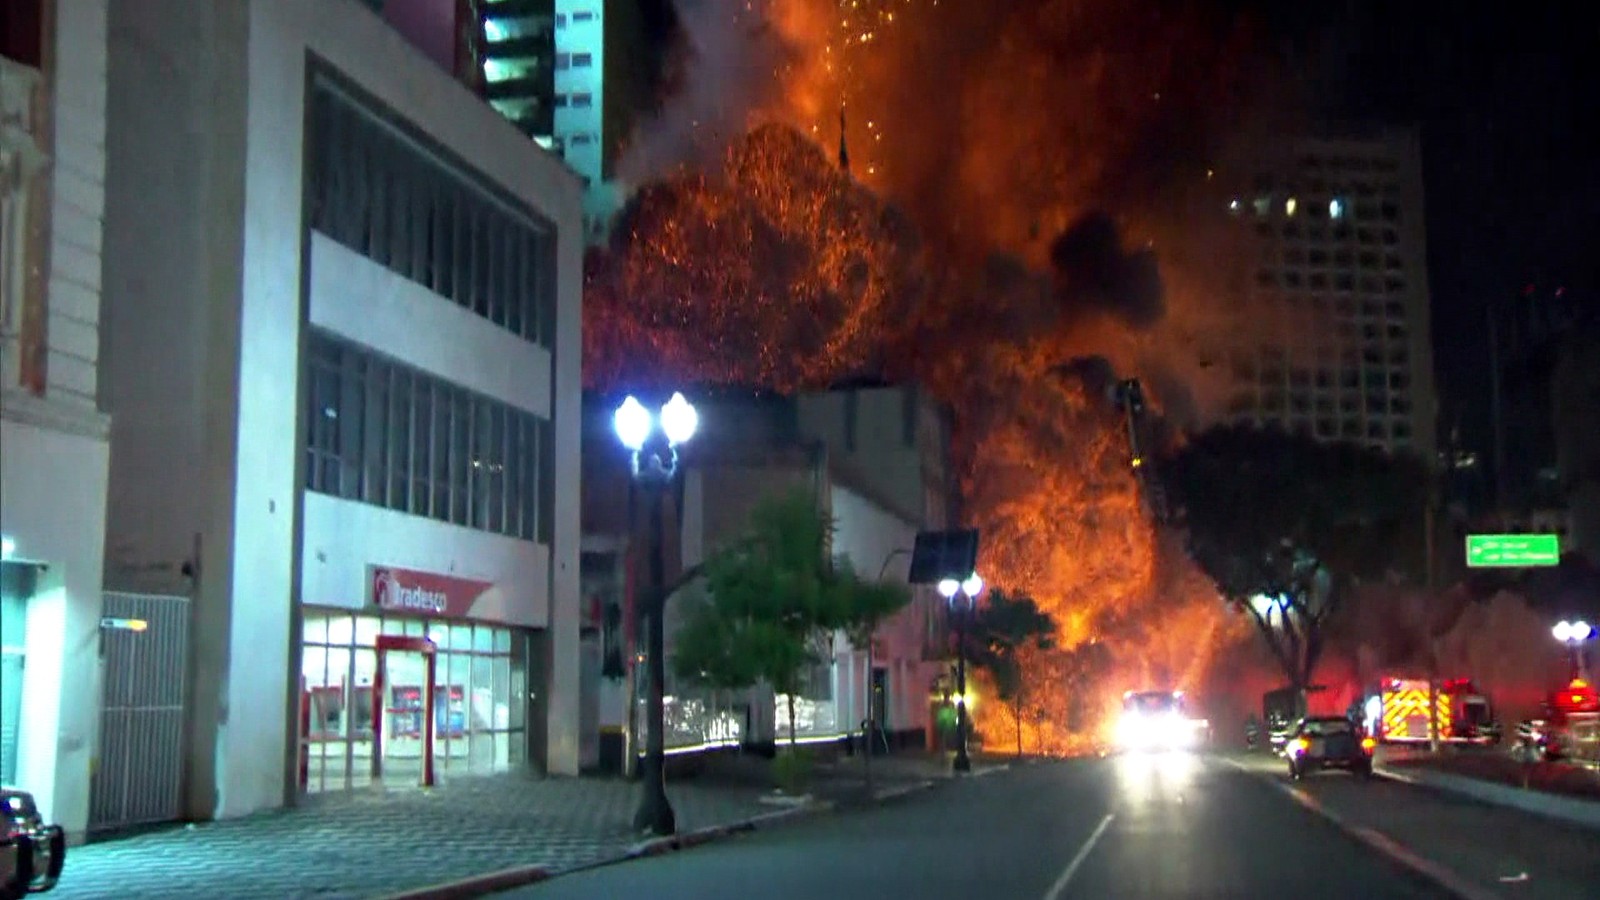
(582, 60)
(563, 61)
(22, 32)
(582, 17)
(385, 434)
(582, 101)
(380, 193)
(481, 699)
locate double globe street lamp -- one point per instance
(1574, 634)
(652, 440)
(962, 596)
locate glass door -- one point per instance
(16, 585)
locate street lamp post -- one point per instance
(953, 591)
(1574, 634)
(654, 467)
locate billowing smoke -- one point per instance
(1095, 272)
(1017, 230)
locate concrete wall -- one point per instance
(52, 504)
(869, 442)
(211, 449)
(868, 534)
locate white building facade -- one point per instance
(1336, 294)
(346, 371)
(53, 435)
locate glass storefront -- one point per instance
(480, 704)
(16, 585)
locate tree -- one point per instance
(1003, 627)
(771, 601)
(1284, 525)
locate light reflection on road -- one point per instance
(1150, 779)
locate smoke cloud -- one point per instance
(1095, 272)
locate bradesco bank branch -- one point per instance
(366, 674)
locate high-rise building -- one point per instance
(1332, 336)
(546, 65)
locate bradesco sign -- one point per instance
(424, 593)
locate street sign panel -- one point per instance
(1512, 550)
(943, 554)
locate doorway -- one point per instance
(16, 586)
(880, 710)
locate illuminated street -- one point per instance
(1175, 826)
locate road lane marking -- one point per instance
(1056, 889)
(1458, 886)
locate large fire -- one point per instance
(999, 130)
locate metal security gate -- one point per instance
(138, 779)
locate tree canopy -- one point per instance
(1283, 524)
(1003, 628)
(771, 600)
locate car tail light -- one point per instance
(1368, 744)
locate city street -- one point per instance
(1176, 826)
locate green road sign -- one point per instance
(1512, 550)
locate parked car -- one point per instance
(31, 852)
(1328, 742)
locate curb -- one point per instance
(1453, 884)
(478, 885)
(675, 842)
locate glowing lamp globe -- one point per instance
(632, 424)
(679, 420)
(948, 588)
(973, 586)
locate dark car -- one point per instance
(1328, 742)
(31, 852)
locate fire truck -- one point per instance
(1575, 720)
(1399, 712)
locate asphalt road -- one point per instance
(1136, 827)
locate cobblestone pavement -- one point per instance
(373, 843)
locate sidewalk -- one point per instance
(374, 843)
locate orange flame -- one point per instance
(994, 126)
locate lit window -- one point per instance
(1336, 208)
(1290, 205)
(1263, 206)
(1233, 206)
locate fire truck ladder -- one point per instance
(1130, 399)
